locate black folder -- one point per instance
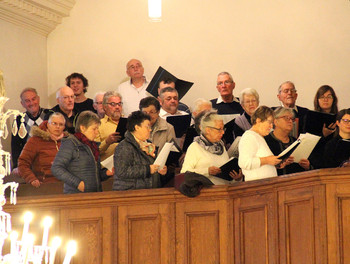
(121, 128)
(232, 164)
(180, 123)
(342, 150)
(290, 151)
(314, 121)
(181, 86)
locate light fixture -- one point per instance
(155, 10)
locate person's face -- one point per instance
(288, 95)
(31, 102)
(77, 86)
(170, 102)
(56, 125)
(285, 122)
(225, 85)
(163, 85)
(90, 132)
(215, 133)
(152, 112)
(249, 104)
(325, 101)
(66, 99)
(344, 124)
(265, 126)
(113, 108)
(98, 105)
(134, 69)
(143, 131)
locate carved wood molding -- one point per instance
(41, 16)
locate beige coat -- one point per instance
(162, 132)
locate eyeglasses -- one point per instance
(113, 104)
(287, 118)
(249, 102)
(98, 103)
(57, 124)
(293, 91)
(227, 82)
(218, 129)
(328, 97)
(68, 97)
(346, 121)
(150, 112)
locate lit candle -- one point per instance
(28, 216)
(13, 238)
(47, 224)
(27, 247)
(71, 250)
(55, 244)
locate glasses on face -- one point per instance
(286, 91)
(218, 129)
(113, 104)
(287, 118)
(57, 124)
(346, 121)
(250, 102)
(328, 97)
(68, 97)
(150, 112)
(227, 82)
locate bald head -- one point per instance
(134, 69)
(65, 99)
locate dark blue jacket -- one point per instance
(74, 163)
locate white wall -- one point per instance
(23, 60)
(262, 43)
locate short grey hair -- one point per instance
(98, 93)
(28, 89)
(199, 102)
(248, 91)
(208, 120)
(226, 73)
(167, 90)
(280, 87)
(110, 94)
(86, 119)
(56, 114)
(280, 111)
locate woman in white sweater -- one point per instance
(207, 152)
(255, 157)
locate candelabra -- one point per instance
(22, 251)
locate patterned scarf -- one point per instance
(91, 144)
(216, 148)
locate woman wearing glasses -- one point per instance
(207, 152)
(337, 149)
(255, 157)
(34, 163)
(279, 139)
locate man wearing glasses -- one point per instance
(65, 105)
(108, 135)
(227, 105)
(287, 94)
(134, 89)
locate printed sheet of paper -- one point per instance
(108, 163)
(308, 143)
(163, 154)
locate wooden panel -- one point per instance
(203, 232)
(344, 229)
(302, 225)
(255, 229)
(146, 234)
(92, 229)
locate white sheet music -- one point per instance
(108, 163)
(308, 143)
(163, 155)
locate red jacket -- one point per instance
(37, 156)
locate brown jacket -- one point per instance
(37, 156)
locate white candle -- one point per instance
(8, 223)
(47, 225)
(71, 250)
(28, 216)
(55, 244)
(13, 238)
(27, 247)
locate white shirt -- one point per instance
(131, 96)
(163, 114)
(252, 147)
